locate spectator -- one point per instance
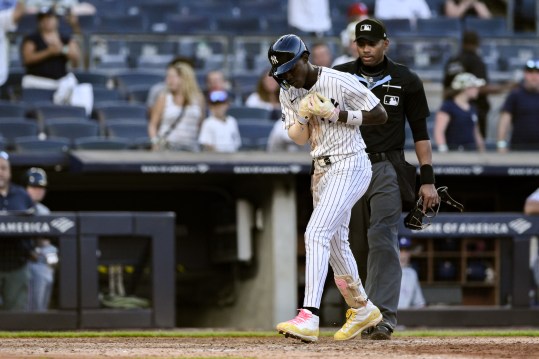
(175, 119)
(45, 254)
(356, 12)
(462, 8)
(219, 132)
(159, 87)
(455, 126)
(321, 54)
(216, 81)
(14, 252)
(310, 16)
(469, 60)
(402, 9)
(47, 54)
(531, 206)
(349, 45)
(411, 295)
(520, 111)
(9, 17)
(266, 95)
(279, 141)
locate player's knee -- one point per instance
(316, 235)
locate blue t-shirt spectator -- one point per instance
(459, 133)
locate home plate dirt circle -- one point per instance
(270, 347)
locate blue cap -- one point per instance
(405, 242)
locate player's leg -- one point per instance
(305, 326)
(384, 271)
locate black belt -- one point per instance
(377, 157)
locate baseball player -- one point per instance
(45, 256)
(326, 107)
(403, 96)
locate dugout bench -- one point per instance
(78, 236)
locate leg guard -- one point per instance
(353, 292)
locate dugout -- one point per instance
(85, 240)
(214, 285)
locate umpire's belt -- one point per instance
(377, 157)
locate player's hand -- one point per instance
(323, 107)
(304, 112)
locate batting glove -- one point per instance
(323, 107)
(304, 111)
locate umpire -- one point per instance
(402, 94)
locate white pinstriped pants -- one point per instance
(335, 189)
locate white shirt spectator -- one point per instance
(309, 15)
(402, 9)
(254, 100)
(223, 136)
(411, 295)
(279, 141)
(6, 24)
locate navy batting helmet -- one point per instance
(283, 55)
(36, 177)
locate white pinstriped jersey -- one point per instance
(326, 138)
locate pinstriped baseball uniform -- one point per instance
(337, 186)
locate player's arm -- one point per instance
(299, 133)
(376, 116)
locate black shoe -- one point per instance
(380, 332)
(366, 333)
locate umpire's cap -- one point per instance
(36, 177)
(371, 30)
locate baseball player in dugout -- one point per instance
(393, 180)
(326, 107)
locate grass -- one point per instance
(250, 334)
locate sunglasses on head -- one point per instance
(218, 96)
(4, 155)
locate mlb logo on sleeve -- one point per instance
(391, 100)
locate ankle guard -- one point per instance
(353, 292)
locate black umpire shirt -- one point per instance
(402, 94)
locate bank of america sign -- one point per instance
(61, 224)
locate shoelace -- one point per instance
(349, 319)
(301, 318)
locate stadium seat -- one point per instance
(35, 144)
(134, 131)
(125, 80)
(96, 79)
(130, 112)
(101, 143)
(187, 24)
(496, 26)
(254, 133)
(244, 112)
(439, 27)
(71, 129)
(122, 24)
(45, 112)
(105, 95)
(154, 13)
(12, 109)
(238, 25)
(10, 130)
(396, 27)
(138, 94)
(32, 95)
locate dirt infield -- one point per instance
(270, 347)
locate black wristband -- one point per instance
(426, 174)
